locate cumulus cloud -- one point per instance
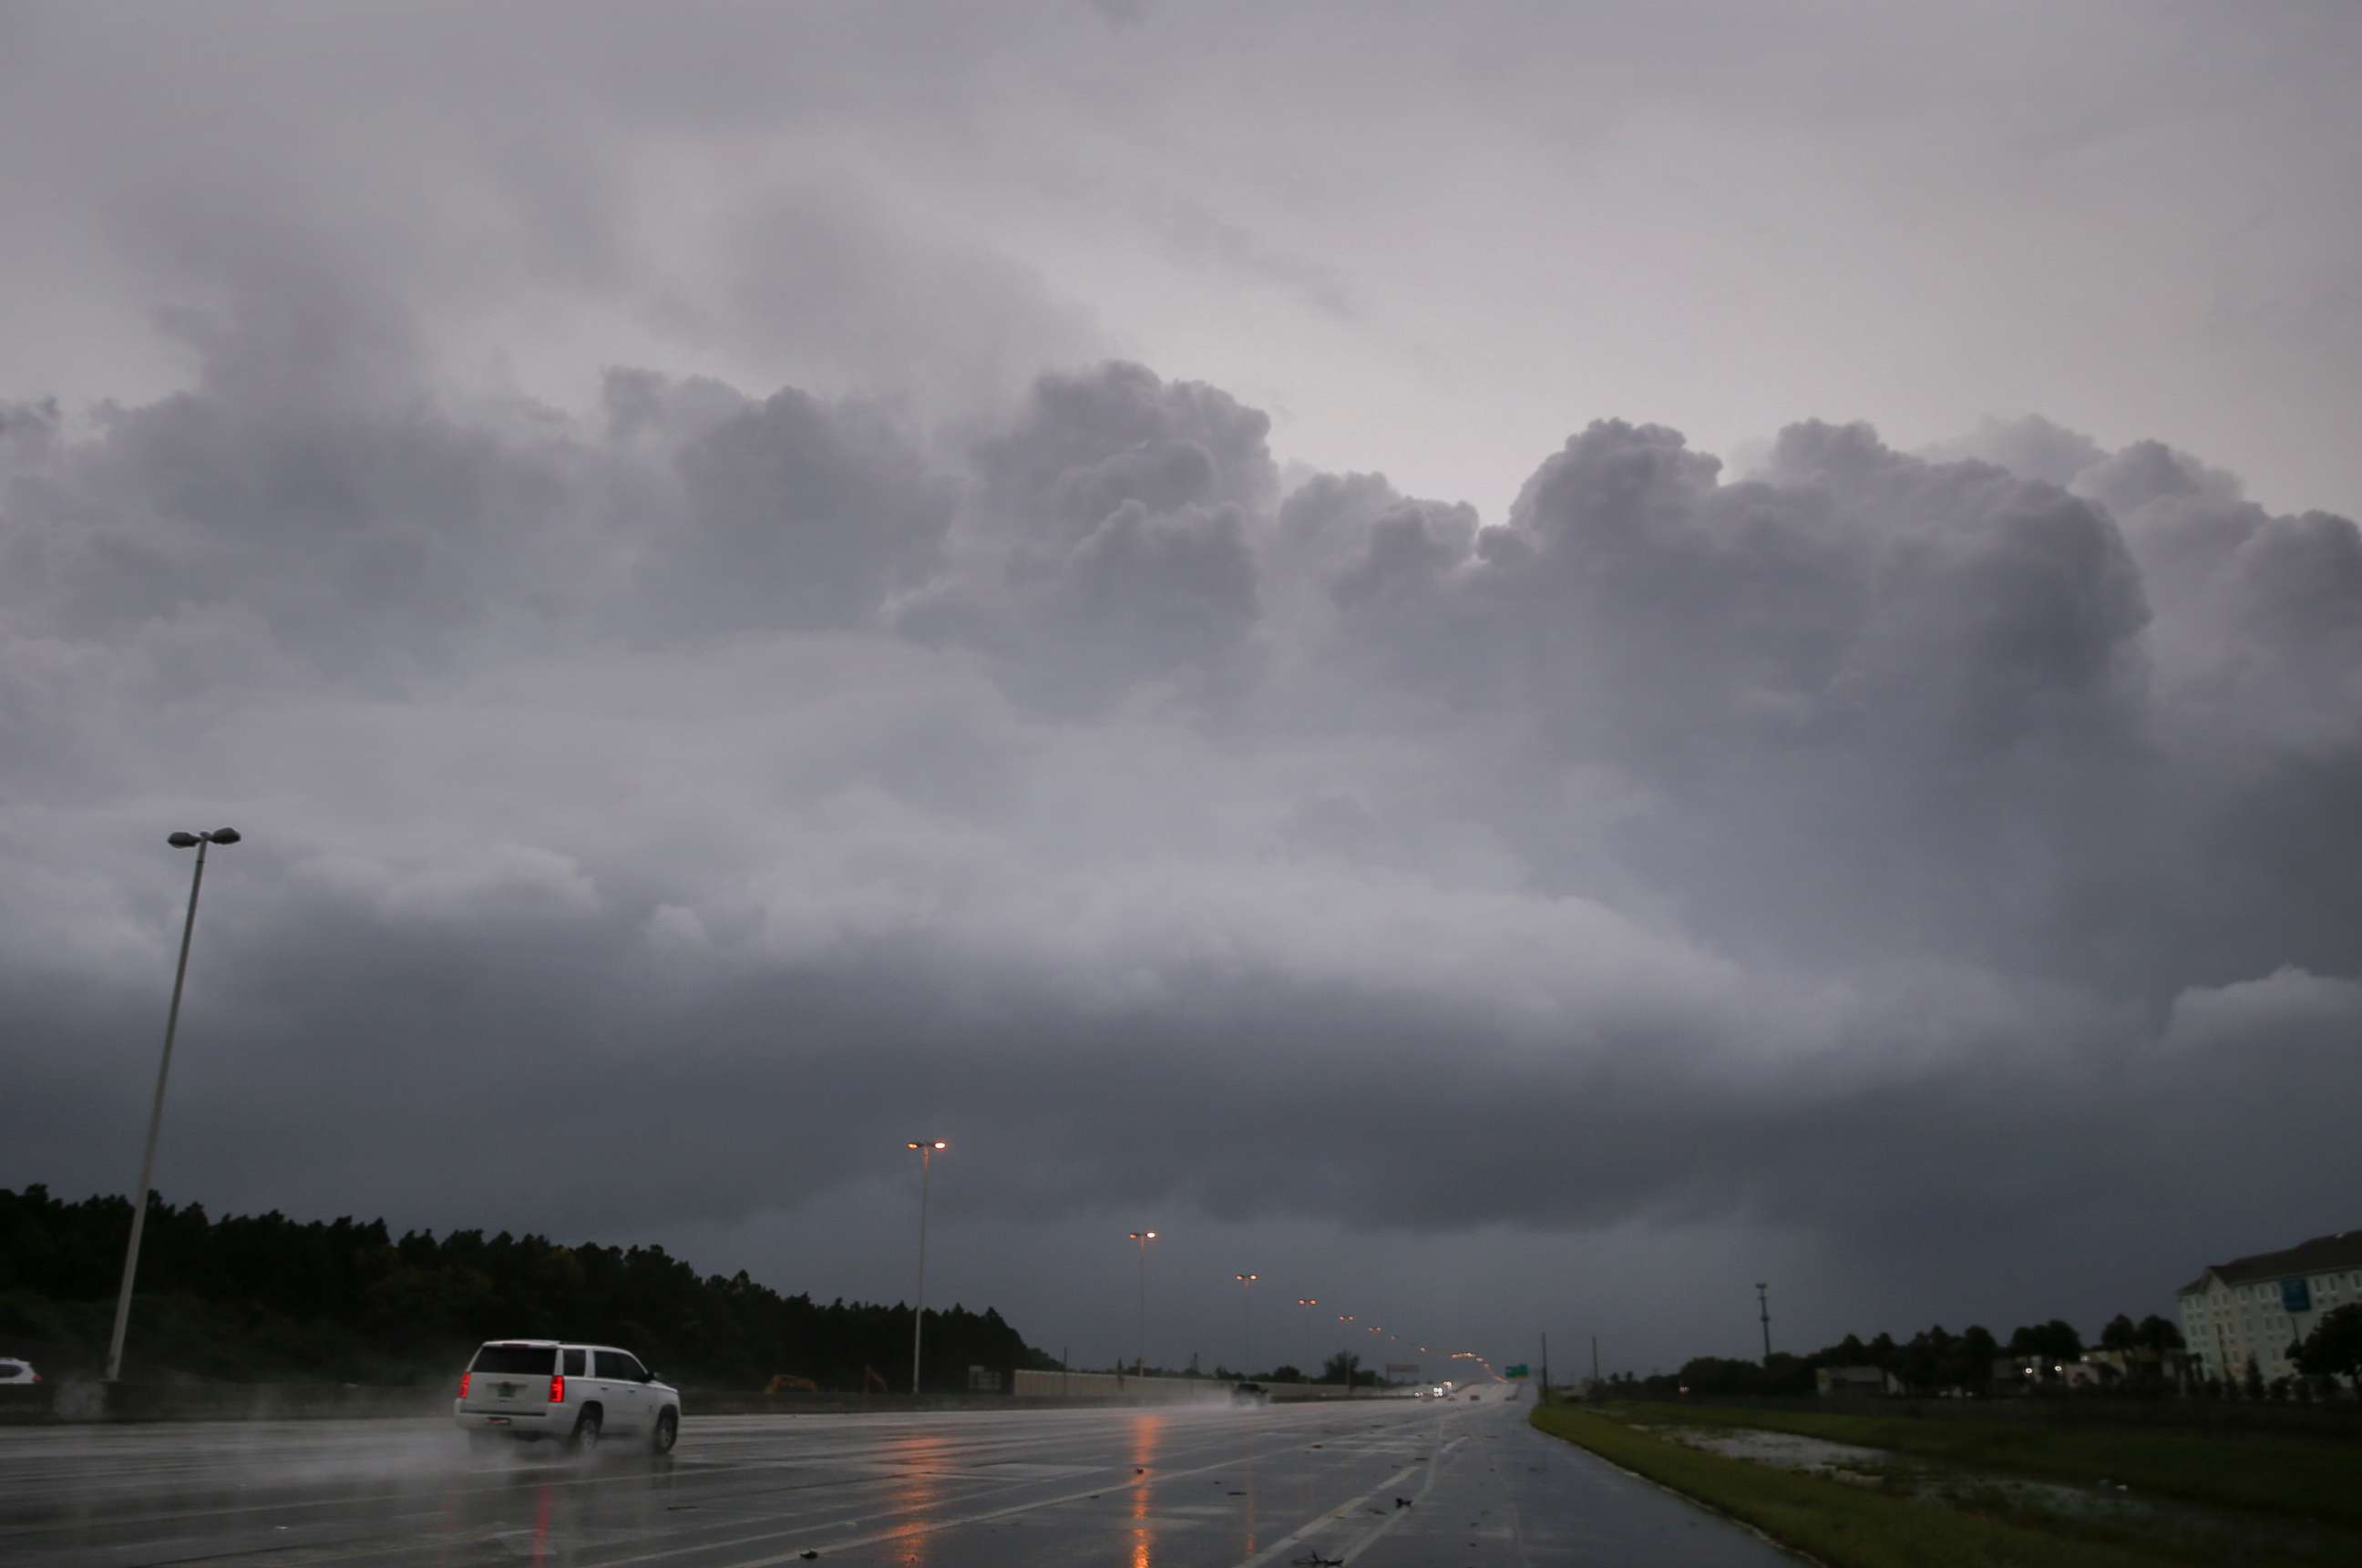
(1109, 544)
(1605, 856)
(799, 515)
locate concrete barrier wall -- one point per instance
(89, 1400)
(1119, 1388)
(700, 1402)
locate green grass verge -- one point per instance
(2310, 1478)
(1845, 1526)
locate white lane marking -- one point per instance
(1345, 1510)
(559, 1473)
(1328, 1517)
(345, 1551)
(549, 1476)
(918, 1527)
(540, 1475)
(1434, 1465)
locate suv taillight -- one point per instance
(463, 1384)
(558, 1388)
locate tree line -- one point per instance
(1932, 1361)
(260, 1295)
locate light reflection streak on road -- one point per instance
(916, 1491)
(1247, 1486)
(1146, 1430)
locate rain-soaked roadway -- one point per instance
(1280, 1486)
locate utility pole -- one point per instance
(1763, 1300)
(1545, 1366)
(1594, 1360)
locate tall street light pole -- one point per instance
(1308, 1303)
(1143, 1238)
(926, 1148)
(198, 842)
(1345, 1357)
(1246, 1323)
(1763, 1301)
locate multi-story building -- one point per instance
(2259, 1306)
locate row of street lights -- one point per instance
(1246, 1282)
(927, 1148)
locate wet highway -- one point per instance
(1388, 1484)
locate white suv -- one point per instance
(581, 1394)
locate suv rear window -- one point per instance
(537, 1360)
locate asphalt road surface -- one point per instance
(1390, 1484)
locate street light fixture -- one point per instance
(1143, 1238)
(198, 842)
(927, 1148)
(1246, 1323)
(1308, 1303)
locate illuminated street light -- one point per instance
(1246, 1323)
(927, 1149)
(198, 842)
(1143, 1238)
(1308, 1303)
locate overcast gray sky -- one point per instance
(1516, 663)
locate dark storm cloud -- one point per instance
(1890, 739)
(800, 514)
(355, 537)
(1359, 541)
(1110, 542)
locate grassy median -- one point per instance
(2306, 1477)
(1940, 1502)
(1843, 1525)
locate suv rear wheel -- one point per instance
(586, 1432)
(665, 1433)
